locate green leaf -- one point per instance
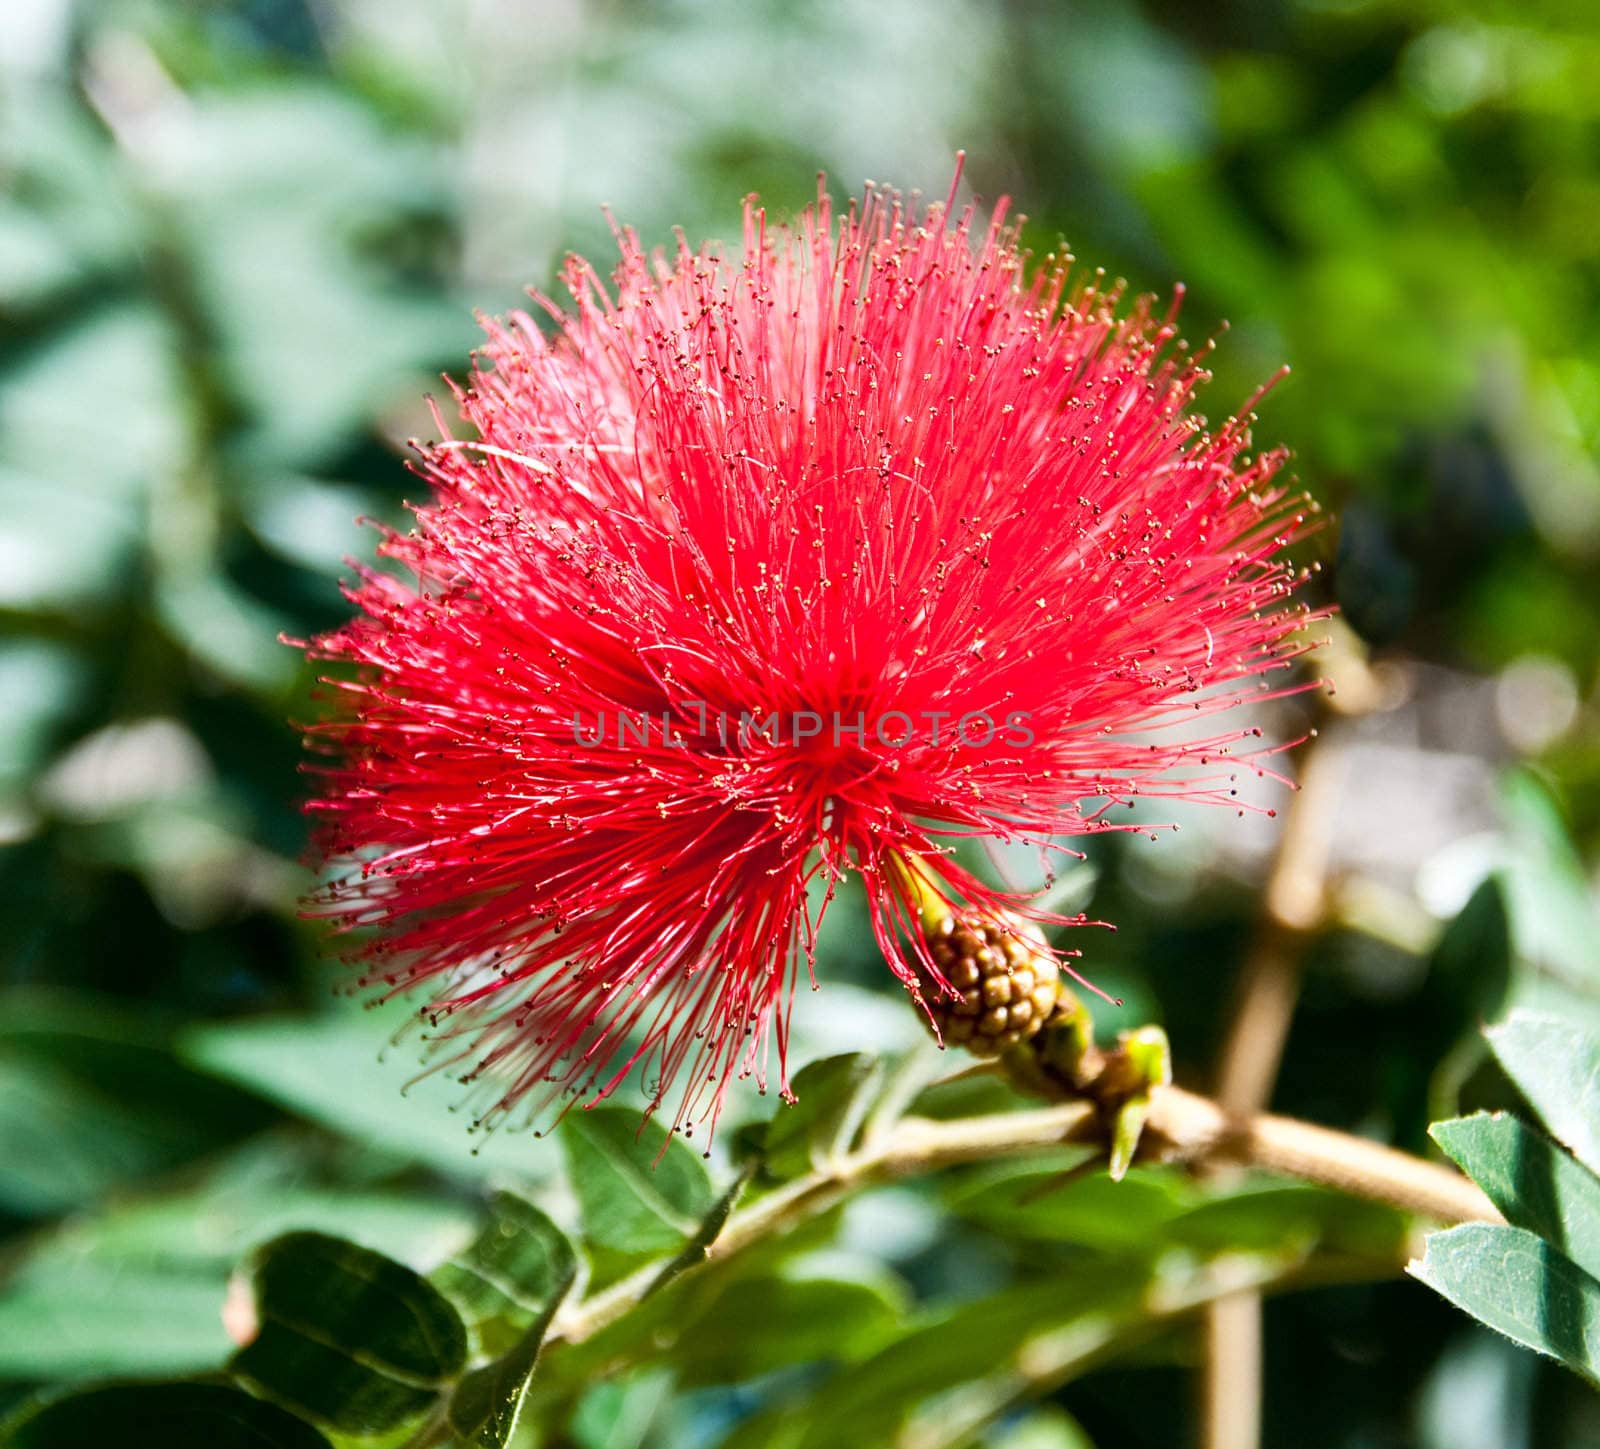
(509, 1274)
(336, 1070)
(347, 1337)
(1552, 906)
(42, 684)
(1469, 980)
(1469, 970)
(1557, 1068)
(232, 634)
(272, 266)
(962, 1096)
(161, 1416)
(761, 1324)
(86, 1320)
(64, 212)
(641, 1189)
(1047, 1428)
(1535, 1184)
(91, 1097)
(134, 1288)
(487, 1406)
(1270, 1215)
(649, 1330)
(102, 459)
(1055, 1325)
(968, 1341)
(697, 1249)
(832, 1097)
(617, 1413)
(1520, 1286)
(1037, 1200)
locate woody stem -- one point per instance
(1186, 1127)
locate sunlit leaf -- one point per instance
(1535, 1184)
(1269, 1215)
(86, 1320)
(137, 1286)
(1556, 1067)
(1056, 1325)
(509, 1274)
(642, 1190)
(617, 1413)
(1047, 1428)
(338, 1070)
(1520, 1286)
(487, 1407)
(831, 1099)
(1552, 907)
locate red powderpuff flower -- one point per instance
(756, 572)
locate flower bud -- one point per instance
(1006, 976)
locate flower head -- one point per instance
(755, 572)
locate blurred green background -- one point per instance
(240, 241)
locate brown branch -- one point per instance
(1181, 1127)
(1294, 902)
(1195, 1127)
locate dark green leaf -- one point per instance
(832, 1097)
(642, 1190)
(347, 1337)
(975, 1096)
(696, 1250)
(1469, 971)
(1469, 980)
(91, 1097)
(1557, 1068)
(509, 1274)
(1535, 1184)
(1520, 1286)
(487, 1406)
(161, 1416)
